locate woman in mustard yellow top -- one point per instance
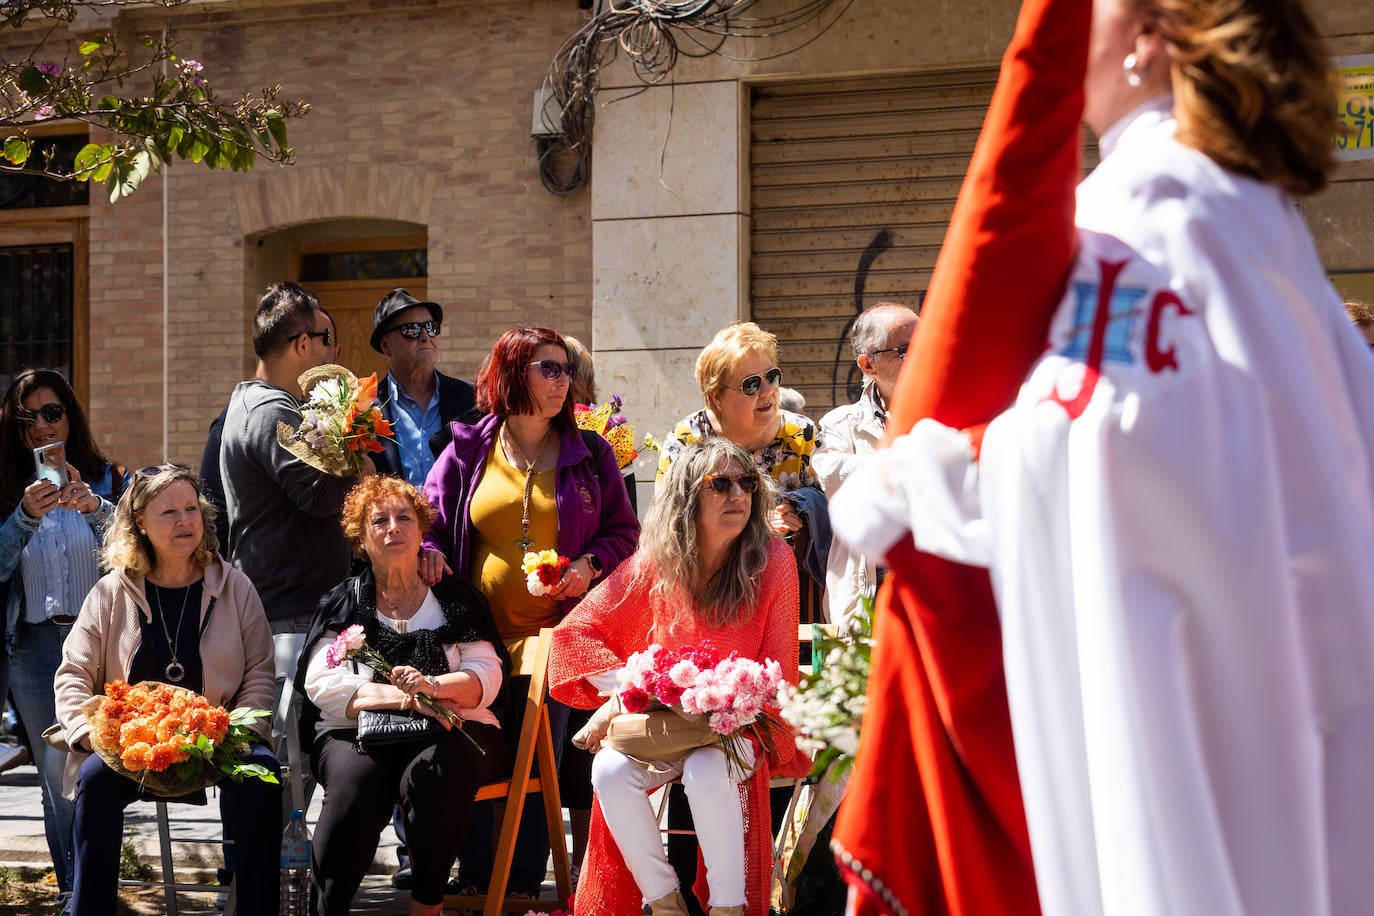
(524, 479)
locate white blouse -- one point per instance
(331, 689)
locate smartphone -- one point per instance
(51, 462)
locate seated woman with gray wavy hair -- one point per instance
(708, 569)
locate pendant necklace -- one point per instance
(525, 543)
(175, 670)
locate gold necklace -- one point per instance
(407, 600)
(525, 543)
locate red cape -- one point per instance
(932, 822)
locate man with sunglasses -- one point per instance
(419, 400)
(283, 514)
(879, 338)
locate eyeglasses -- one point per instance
(411, 329)
(900, 351)
(723, 483)
(751, 384)
(50, 413)
(551, 369)
(324, 334)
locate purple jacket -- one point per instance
(594, 514)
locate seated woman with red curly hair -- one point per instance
(169, 610)
(444, 654)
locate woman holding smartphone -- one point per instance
(49, 537)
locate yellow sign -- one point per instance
(1356, 103)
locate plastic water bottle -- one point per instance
(295, 867)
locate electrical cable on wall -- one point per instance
(652, 34)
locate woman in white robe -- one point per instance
(1178, 511)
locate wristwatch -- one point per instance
(594, 563)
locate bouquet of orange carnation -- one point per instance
(170, 740)
(610, 424)
(340, 421)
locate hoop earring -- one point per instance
(1132, 69)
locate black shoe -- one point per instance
(401, 878)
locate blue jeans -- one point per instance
(532, 844)
(37, 654)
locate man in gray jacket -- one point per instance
(283, 514)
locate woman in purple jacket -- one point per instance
(525, 479)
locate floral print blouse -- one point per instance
(787, 459)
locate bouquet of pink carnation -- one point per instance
(351, 646)
(734, 692)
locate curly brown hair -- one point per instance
(1253, 87)
(373, 490)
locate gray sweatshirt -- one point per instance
(284, 530)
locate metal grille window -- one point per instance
(20, 191)
(36, 286)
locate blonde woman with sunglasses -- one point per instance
(49, 537)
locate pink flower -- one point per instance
(49, 68)
(355, 637)
(44, 112)
(684, 673)
(724, 723)
(634, 699)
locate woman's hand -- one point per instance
(784, 520)
(413, 682)
(577, 578)
(77, 494)
(589, 737)
(439, 710)
(433, 566)
(40, 498)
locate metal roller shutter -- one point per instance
(853, 183)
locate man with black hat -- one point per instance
(419, 401)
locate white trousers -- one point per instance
(623, 786)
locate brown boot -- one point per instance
(671, 905)
(727, 910)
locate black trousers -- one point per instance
(101, 797)
(435, 785)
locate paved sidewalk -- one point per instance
(195, 834)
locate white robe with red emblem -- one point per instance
(1178, 514)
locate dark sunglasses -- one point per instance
(50, 413)
(751, 385)
(900, 351)
(153, 470)
(324, 334)
(411, 329)
(723, 483)
(551, 369)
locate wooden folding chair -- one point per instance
(536, 743)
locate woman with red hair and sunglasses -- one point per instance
(49, 537)
(524, 479)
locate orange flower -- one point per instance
(364, 396)
(135, 757)
(382, 426)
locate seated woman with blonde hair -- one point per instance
(708, 570)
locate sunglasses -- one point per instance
(411, 329)
(723, 483)
(900, 351)
(324, 334)
(153, 470)
(551, 369)
(751, 384)
(50, 413)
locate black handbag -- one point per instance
(380, 728)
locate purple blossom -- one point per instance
(49, 68)
(44, 112)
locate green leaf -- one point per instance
(31, 81)
(198, 149)
(108, 103)
(17, 150)
(91, 157)
(91, 45)
(276, 125)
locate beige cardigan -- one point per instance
(235, 648)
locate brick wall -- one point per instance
(421, 112)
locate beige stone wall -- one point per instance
(421, 113)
